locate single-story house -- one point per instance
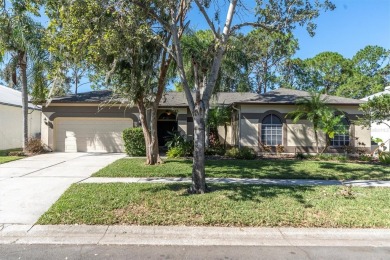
(81, 123)
(381, 131)
(11, 116)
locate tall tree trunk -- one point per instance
(76, 85)
(23, 70)
(224, 143)
(145, 129)
(154, 156)
(150, 135)
(207, 129)
(198, 168)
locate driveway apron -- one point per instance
(28, 187)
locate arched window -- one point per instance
(342, 137)
(271, 130)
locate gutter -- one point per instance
(239, 125)
(14, 105)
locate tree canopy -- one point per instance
(368, 72)
(376, 111)
(22, 53)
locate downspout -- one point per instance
(239, 125)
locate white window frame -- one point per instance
(274, 127)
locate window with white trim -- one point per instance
(272, 130)
(341, 138)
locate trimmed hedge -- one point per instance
(134, 141)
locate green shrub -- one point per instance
(301, 156)
(178, 146)
(134, 141)
(384, 157)
(245, 153)
(175, 152)
(217, 150)
(328, 157)
(365, 157)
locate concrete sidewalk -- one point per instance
(287, 182)
(181, 235)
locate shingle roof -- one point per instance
(97, 96)
(178, 99)
(169, 99)
(12, 97)
(290, 96)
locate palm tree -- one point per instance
(20, 42)
(313, 109)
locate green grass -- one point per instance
(277, 169)
(4, 158)
(226, 205)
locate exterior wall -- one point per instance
(296, 137)
(381, 131)
(229, 135)
(11, 129)
(182, 121)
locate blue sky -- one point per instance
(353, 25)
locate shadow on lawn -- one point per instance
(293, 169)
(359, 171)
(239, 192)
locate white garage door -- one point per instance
(90, 134)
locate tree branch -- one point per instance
(208, 20)
(252, 24)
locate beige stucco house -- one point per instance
(81, 123)
(11, 130)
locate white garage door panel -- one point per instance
(92, 135)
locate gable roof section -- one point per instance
(178, 99)
(290, 96)
(12, 97)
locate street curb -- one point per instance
(191, 236)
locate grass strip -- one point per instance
(275, 169)
(226, 205)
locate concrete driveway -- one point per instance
(28, 187)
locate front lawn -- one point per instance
(4, 157)
(275, 169)
(226, 205)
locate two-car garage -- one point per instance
(84, 134)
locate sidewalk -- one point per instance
(192, 236)
(288, 182)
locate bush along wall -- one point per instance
(134, 141)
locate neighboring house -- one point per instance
(80, 122)
(381, 131)
(11, 124)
